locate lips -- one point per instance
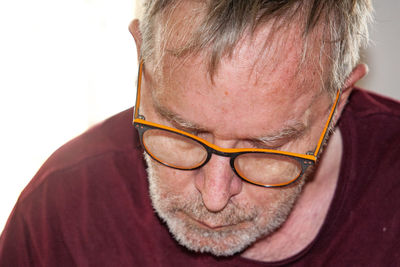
(215, 226)
(204, 224)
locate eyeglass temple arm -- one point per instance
(139, 81)
(325, 132)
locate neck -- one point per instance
(309, 213)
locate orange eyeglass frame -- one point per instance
(305, 160)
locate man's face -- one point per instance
(256, 94)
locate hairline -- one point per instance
(306, 35)
(345, 29)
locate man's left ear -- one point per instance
(358, 72)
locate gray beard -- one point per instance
(245, 223)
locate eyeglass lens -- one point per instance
(173, 149)
(182, 152)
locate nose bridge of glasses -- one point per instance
(220, 153)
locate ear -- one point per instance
(137, 35)
(358, 72)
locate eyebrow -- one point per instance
(177, 120)
(288, 132)
(291, 131)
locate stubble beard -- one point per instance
(242, 224)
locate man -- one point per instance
(236, 111)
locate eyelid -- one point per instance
(267, 145)
(276, 143)
(191, 130)
(177, 123)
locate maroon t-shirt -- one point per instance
(89, 204)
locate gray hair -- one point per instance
(344, 28)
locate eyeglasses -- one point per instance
(184, 151)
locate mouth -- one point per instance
(212, 226)
(215, 226)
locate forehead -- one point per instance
(262, 82)
(178, 26)
(187, 26)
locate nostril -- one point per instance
(217, 183)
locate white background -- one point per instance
(65, 65)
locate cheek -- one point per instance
(269, 199)
(172, 181)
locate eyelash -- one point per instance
(261, 145)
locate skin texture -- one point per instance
(211, 209)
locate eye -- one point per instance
(259, 145)
(193, 131)
(278, 144)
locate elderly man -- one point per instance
(236, 108)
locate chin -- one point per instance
(222, 241)
(224, 233)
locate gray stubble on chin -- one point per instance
(260, 221)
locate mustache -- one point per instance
(195, 208)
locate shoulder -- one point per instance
(366, 104)
(87, 202)
(370, 125)
(362, 214)
(104, 141)
(372, 120)
(370, 128)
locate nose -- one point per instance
(217, 183)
